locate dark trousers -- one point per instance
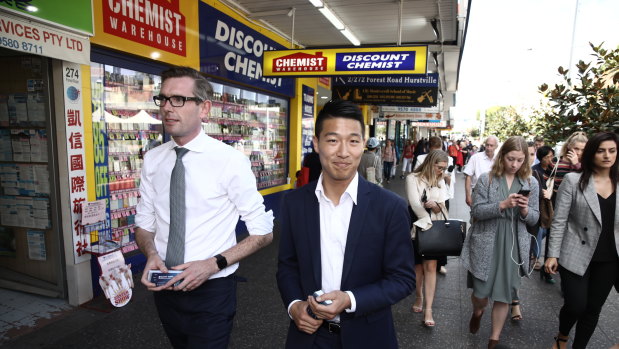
(201, 318)
(326, 340)
(584, 297)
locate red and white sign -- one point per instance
(74, 117)
(155, 23)
(300, 62)
(32, 37)
(413, 116)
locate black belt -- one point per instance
(332, 327)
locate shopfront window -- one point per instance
(127, 124)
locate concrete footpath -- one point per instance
(262, 322)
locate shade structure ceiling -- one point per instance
(440, 24)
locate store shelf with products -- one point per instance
(255, 124)
(126, 126)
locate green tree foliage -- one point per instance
(590, 103)
(505, 122)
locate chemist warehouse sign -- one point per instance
(360, 61)
(232, 50)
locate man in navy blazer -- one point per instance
(348, 238)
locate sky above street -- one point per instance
(512, 47)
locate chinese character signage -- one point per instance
(74, 118)
(347, 61)
(232, 50)
(411, 90)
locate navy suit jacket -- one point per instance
(378, 262)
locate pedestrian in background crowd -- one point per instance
(427, 193)
(584, 239)
(370, 165)
(496, 250)
(481, 163)
(569, 161)
(389, 159)
(544, 154)
(407, 158)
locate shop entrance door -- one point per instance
(31, 258)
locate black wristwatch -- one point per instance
(222, 262)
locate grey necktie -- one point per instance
(175, 254)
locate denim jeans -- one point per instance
(537, 244)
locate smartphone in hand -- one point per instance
(524, 192)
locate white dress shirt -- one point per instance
(220, 187)
(478, 164)
(334, 223)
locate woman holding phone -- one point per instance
(496, 250)
(584, 238)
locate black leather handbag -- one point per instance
(444, 238)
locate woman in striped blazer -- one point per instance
(584, 239)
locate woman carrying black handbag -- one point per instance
(427, 192)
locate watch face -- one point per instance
(221, 261)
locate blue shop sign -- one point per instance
(376, 61)
(232, 50)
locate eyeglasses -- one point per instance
(175, 101)
(440, 168)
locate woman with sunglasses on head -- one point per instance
(584, 239)
(496, 250)
(427, 193)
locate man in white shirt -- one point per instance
(197, 306)
(348, 238)
(478, 164)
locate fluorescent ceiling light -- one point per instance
(317, 3)
(332, 18)
(351, 37)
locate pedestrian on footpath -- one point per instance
(407, 158)
(348, 238)
(584, 239)
(187, 216)
(478, 164)
(427, 193)
(389, 159)
(496, 250)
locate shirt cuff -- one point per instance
(353, 303)
(290, 305)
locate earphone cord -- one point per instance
(511, 254)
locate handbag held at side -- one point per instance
(444, 238)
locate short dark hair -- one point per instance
(339, 109)
(435, 143)
(543, 151)
(202, 88)
(588, 155)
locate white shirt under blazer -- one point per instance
(577, 224)
(220, 187)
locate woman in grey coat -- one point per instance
(496, 250)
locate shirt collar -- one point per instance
(351, 190)
(198, 144)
